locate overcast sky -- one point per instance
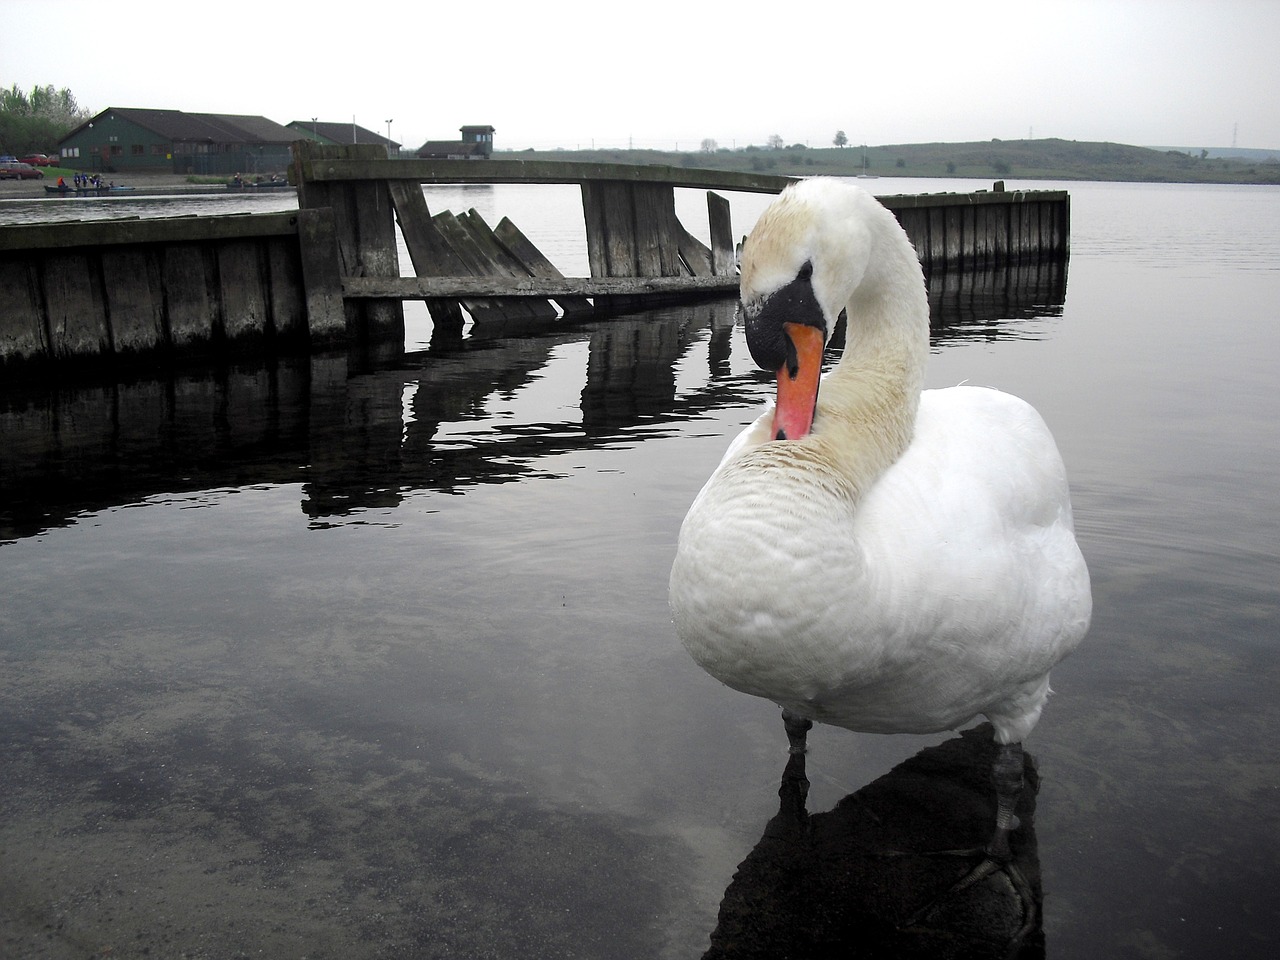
(554, 73)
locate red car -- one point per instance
(40, 160)
(19, 171)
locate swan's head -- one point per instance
(807, 254)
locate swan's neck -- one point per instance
(864, 422)
(866, 408)
(867, 404)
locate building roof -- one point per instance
(340, 132)
(177, 125)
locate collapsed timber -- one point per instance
(329, 275)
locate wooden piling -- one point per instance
(364, 228)
(190, 313)
(135, 318)
(720, 222)
(329, 274)
(321, 277)
(74, 306)
(23, 322)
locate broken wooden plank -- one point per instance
(476, 264)
(695, 253)
(533, 260)
(429, 253)
(501, 262)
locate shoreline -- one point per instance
(139, 184)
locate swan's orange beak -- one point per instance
(798, 389)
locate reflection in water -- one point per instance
(357, 443)
(980, 303)
(631, 373)
(92, 446)
(867, 878)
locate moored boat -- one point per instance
(104, 190)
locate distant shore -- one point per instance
(1045, 159)
(143, 183)
(1015, 160)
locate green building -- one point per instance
(171, 141)
(341, 132)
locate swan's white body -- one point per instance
(908, 564)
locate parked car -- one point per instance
(19, 171)
(39, 160)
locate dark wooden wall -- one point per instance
(126, 289)
(987, 228)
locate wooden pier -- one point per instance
(329, 275)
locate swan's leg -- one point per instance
(797, 730)
(1006, 773)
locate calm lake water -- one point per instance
(311, 662)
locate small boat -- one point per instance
(105, 190)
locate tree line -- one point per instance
(34, 122)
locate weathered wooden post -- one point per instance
(721, 224)
(633, 231)
(321, 278)
(364, 226)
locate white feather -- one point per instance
(911, 563)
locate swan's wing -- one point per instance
(972, 530)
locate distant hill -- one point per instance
(1046, 159)
(1231, 153)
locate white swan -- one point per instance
(872, 555)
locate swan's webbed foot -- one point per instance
(996, 856)
(952, 902)
(798, 728)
